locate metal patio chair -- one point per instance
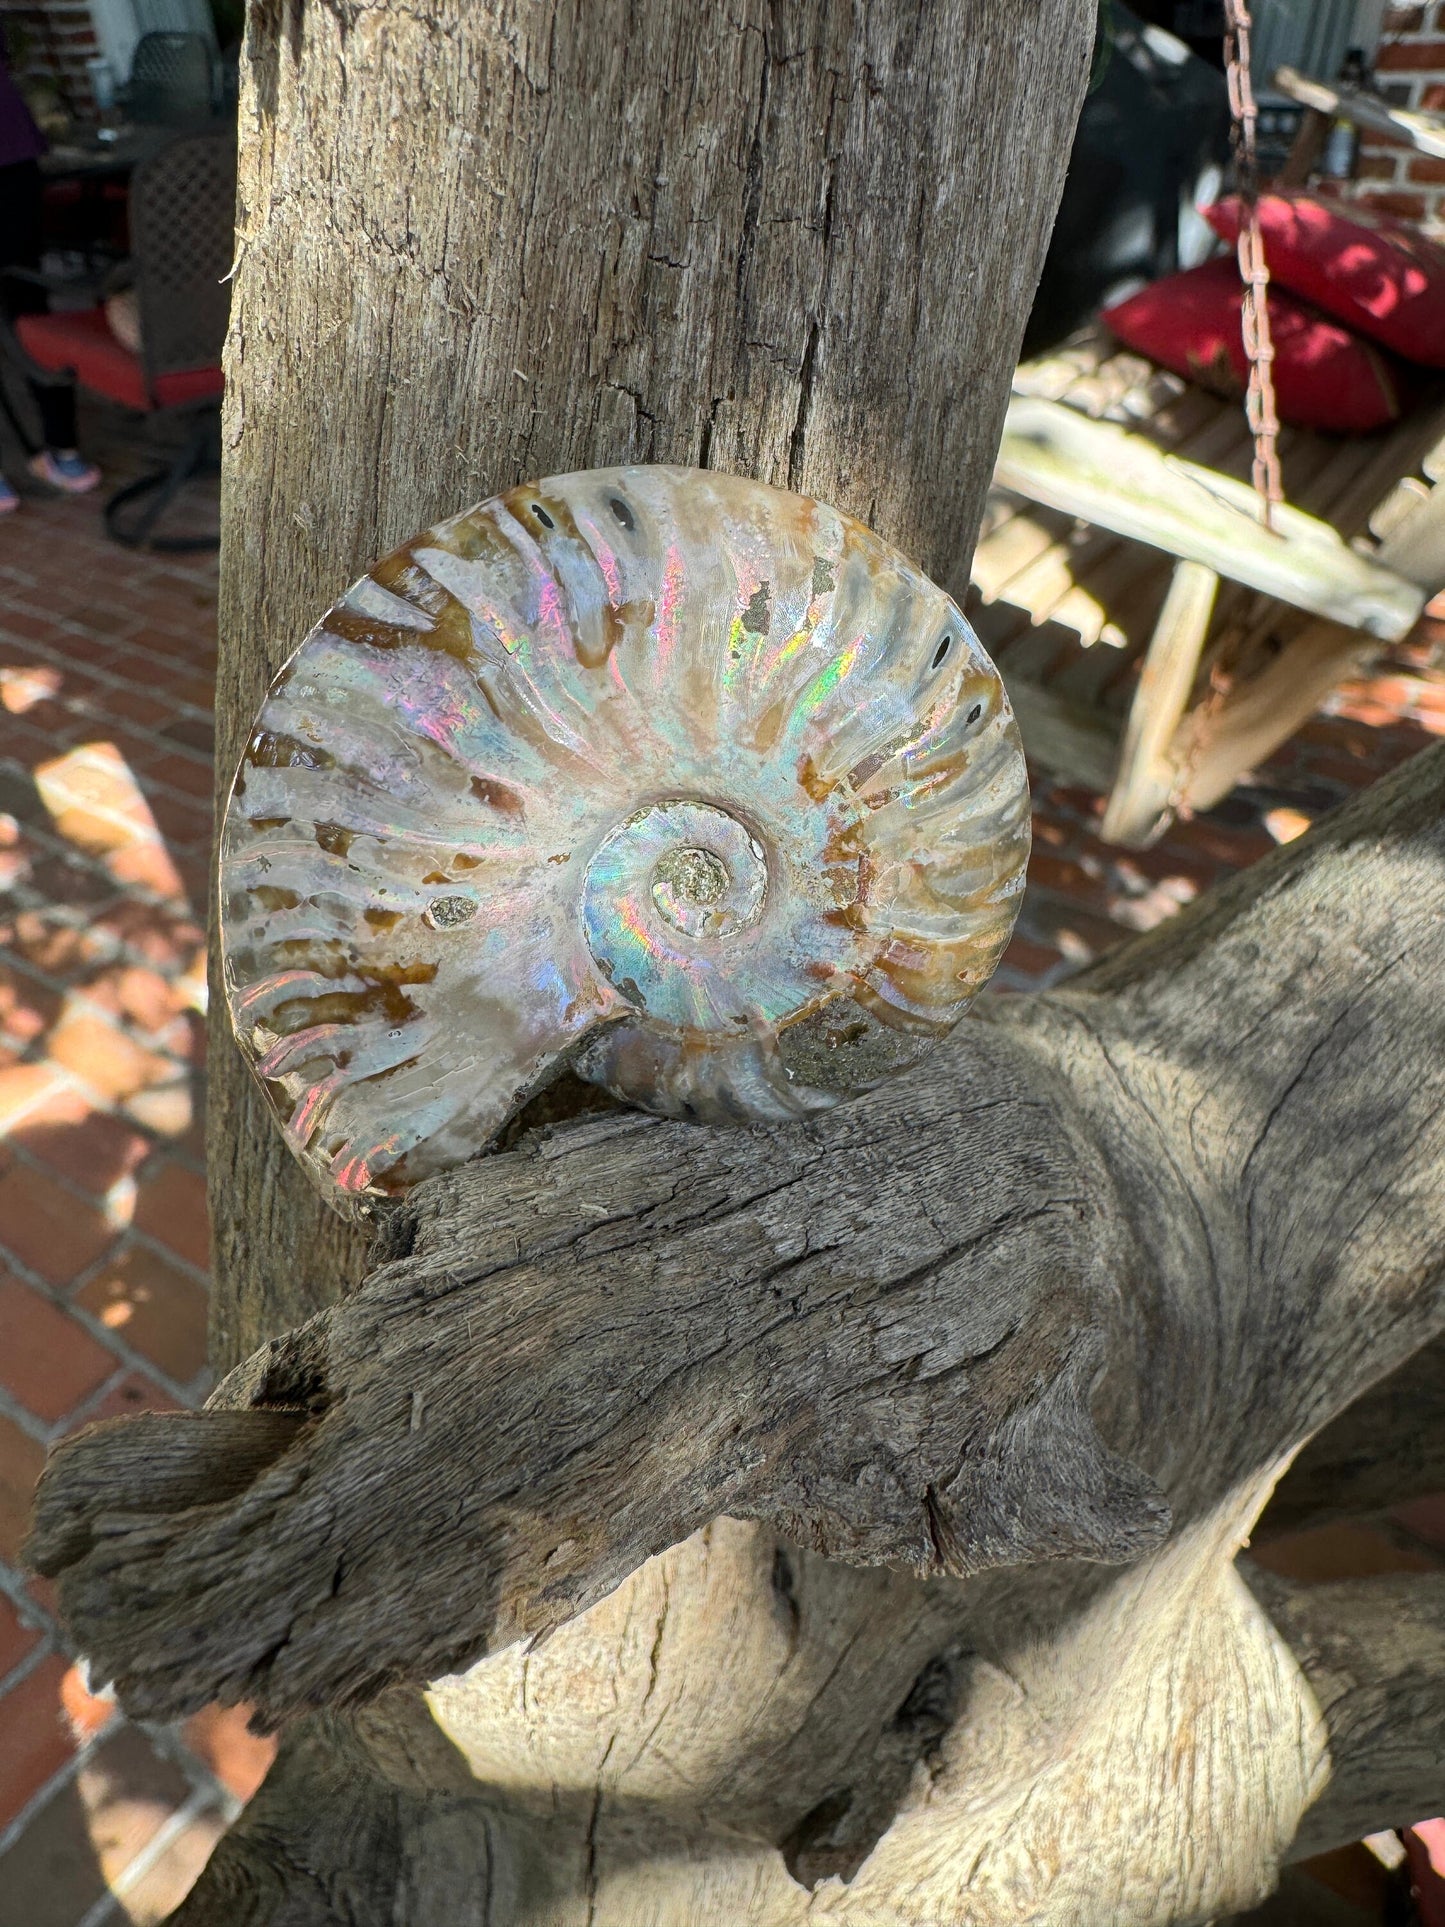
(172, 80)
(182, 218)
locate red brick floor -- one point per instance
(106, 665)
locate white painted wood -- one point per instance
(1139, 800)
(1116, 480)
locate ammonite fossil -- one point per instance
(695, 787)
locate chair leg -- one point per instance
(158, 490)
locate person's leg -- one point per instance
(58, 462)
(56, 407)
(20, 248)
(16, 242)
(20, 229)
(9, 500)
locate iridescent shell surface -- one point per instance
(696, 787)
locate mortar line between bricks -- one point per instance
(148, 785)
(151, 740)
(208, 1793)
(81, 994)
(198, 1274)
(81, 1413)
(26, 1421)
(13, 1587)
(28, 899)
(169, 1739)
(49, 843)
(184, 1395)
(136, 1870)
(22, 1154)
(35, 1055)
(134, 1361)
(64, 626)
(89, 916)
(97, 1105)
(113, 1914)
(185, 709)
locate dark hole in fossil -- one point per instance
(542, 516)
(623, 513)
(940, 654)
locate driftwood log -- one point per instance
(989, 1375)
(830, 1524)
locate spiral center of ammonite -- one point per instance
(674, 869)
(710, 876)
(687, 885)
(692, 876)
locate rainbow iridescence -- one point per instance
(695, 786)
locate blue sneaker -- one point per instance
(65, 469)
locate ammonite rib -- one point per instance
(697, 786)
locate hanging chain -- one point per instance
(1259, 407)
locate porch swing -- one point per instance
(1121, 536)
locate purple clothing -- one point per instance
(20, 138)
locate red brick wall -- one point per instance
(1410, 71)
(57, 38)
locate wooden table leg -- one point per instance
(1262, 711)
(1140, 797)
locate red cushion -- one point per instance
(83, 345)
(1324, 377)
(1381, 277)
(187, 385)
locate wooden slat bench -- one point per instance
(1145, 654)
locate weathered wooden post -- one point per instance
(850, 1506)
(483, 243)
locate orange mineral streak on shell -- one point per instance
(637, 772)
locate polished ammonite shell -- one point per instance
(695, 787)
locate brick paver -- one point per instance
(106, 663)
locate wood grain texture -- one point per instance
(994, 1371)
(1152, 1230)
(1115, 479)
(1374, 1653)
(484, 242)
(825, 1328)
(1386, 1448)
(1148, 775)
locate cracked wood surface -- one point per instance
(879, 1333)
(1139, 1237)
(1113, 1252)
